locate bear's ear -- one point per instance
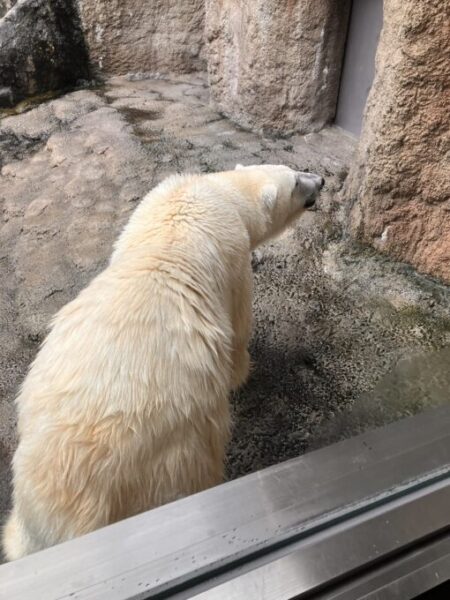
(269, 196)
(238, 167)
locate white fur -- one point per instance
(126, 404)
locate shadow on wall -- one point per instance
(42, 49)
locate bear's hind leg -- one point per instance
(17, 542)
(241, 367)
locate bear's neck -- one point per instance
(243, 192)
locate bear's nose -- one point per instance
(310, 201)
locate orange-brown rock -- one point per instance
(400, 184)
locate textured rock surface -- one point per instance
(330, 320)
(401, 181)
(41, 49)
(5, 5)
(129, 36)
(274, 66)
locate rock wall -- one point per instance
(275, 66)
(42, 48)
(129, 36)
(400, 183)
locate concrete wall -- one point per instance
(399, 185)
(129, 36)
(275, 66)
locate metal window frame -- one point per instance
(414, 572)
(312, 525)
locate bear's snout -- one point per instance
(312, 184)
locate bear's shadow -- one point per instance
(274, 413)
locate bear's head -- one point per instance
(283, 192)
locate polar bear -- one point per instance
(126, 405)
